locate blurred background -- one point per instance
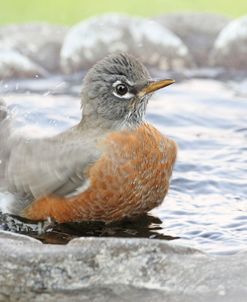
(69, 12)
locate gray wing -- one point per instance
(39, 167)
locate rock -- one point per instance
(17, 239)
(40, 42)
(114, 269)
(93, 39)
(197, 30)
(16, 65)
(230, 48)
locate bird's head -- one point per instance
(116, 90)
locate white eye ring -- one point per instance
(127, 95)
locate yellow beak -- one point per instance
(155, 85)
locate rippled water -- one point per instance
(207, 203)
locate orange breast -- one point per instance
(130, 178)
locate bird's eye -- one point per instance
(121, 89)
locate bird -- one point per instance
(110, 166)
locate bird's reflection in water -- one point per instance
(146, 226)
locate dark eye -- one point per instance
(121, 89)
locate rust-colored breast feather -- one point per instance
(131, 177)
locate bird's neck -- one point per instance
(91, 119)
(87, 122)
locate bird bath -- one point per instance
(206, 204)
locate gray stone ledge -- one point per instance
(112, 268)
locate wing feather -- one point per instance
(39, 167)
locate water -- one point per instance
(207, 203)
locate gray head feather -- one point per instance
(100, 100)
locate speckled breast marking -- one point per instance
(133, 174)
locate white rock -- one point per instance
(230, 49)
(14, 65)
(91, 40)
(197, 30)
(41, 42)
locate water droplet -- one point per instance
(47, 93)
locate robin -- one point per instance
(110, 166)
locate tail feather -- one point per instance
(3, 110)
(4, 139)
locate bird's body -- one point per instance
(111, 165)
